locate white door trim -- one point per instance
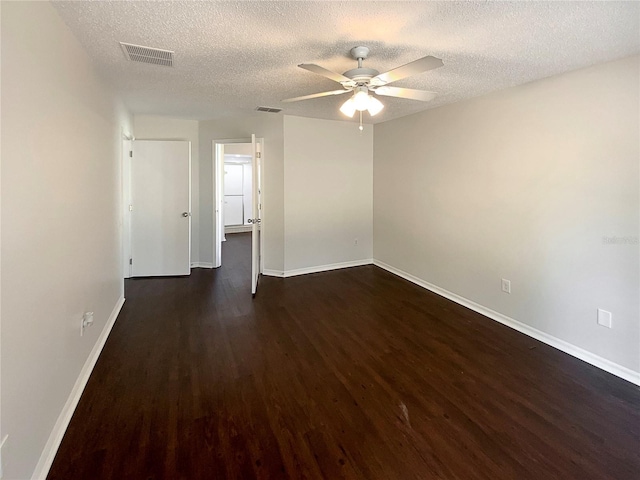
(127, 146)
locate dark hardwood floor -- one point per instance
(352, 374)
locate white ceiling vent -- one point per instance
(155, 56)
(269, 109)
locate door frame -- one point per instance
(217, 171)
(127, 147)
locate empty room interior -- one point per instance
(320, 240)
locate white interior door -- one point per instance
(233, 198)
(256, 237)
(161, 208)
(233, 210)
(247, 192)
(232, 179)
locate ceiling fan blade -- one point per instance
(421, 95)
(316, 95)
(418, 66)
(336, 77)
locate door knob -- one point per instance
(185, 214)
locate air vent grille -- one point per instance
(154, 56)
(269, 109)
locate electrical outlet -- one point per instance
(506, 286)
(355, 242)
(604, 318)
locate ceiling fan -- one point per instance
(361, 81)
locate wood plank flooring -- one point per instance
(353, 374)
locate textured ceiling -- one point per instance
(231, 57)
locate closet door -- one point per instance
(232, 179)
(233, 210)
(247, 192)
(161, 208)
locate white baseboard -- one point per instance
(60, 427)
(316, 269)
(202, 265)
(273, 273)
(326, 268)
(595, 360)
(238, 229)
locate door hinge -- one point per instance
(258, 155)
(131, 153)
(131, 208)
(131, 261)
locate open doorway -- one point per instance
(237, 186)
(237, 198)
(237, 207)
(233, 182)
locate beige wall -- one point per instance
(328, 193)
(523, 184)
(520, 184)
(269, 127)
(61, 222)
(150, 127)
(238, 149)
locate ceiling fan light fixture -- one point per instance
(360, 82)
(361, 99)
(348, 108)
(375, 106)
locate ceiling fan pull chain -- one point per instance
(361, 127)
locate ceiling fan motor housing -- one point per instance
(361, 75)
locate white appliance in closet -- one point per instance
(237, 193)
